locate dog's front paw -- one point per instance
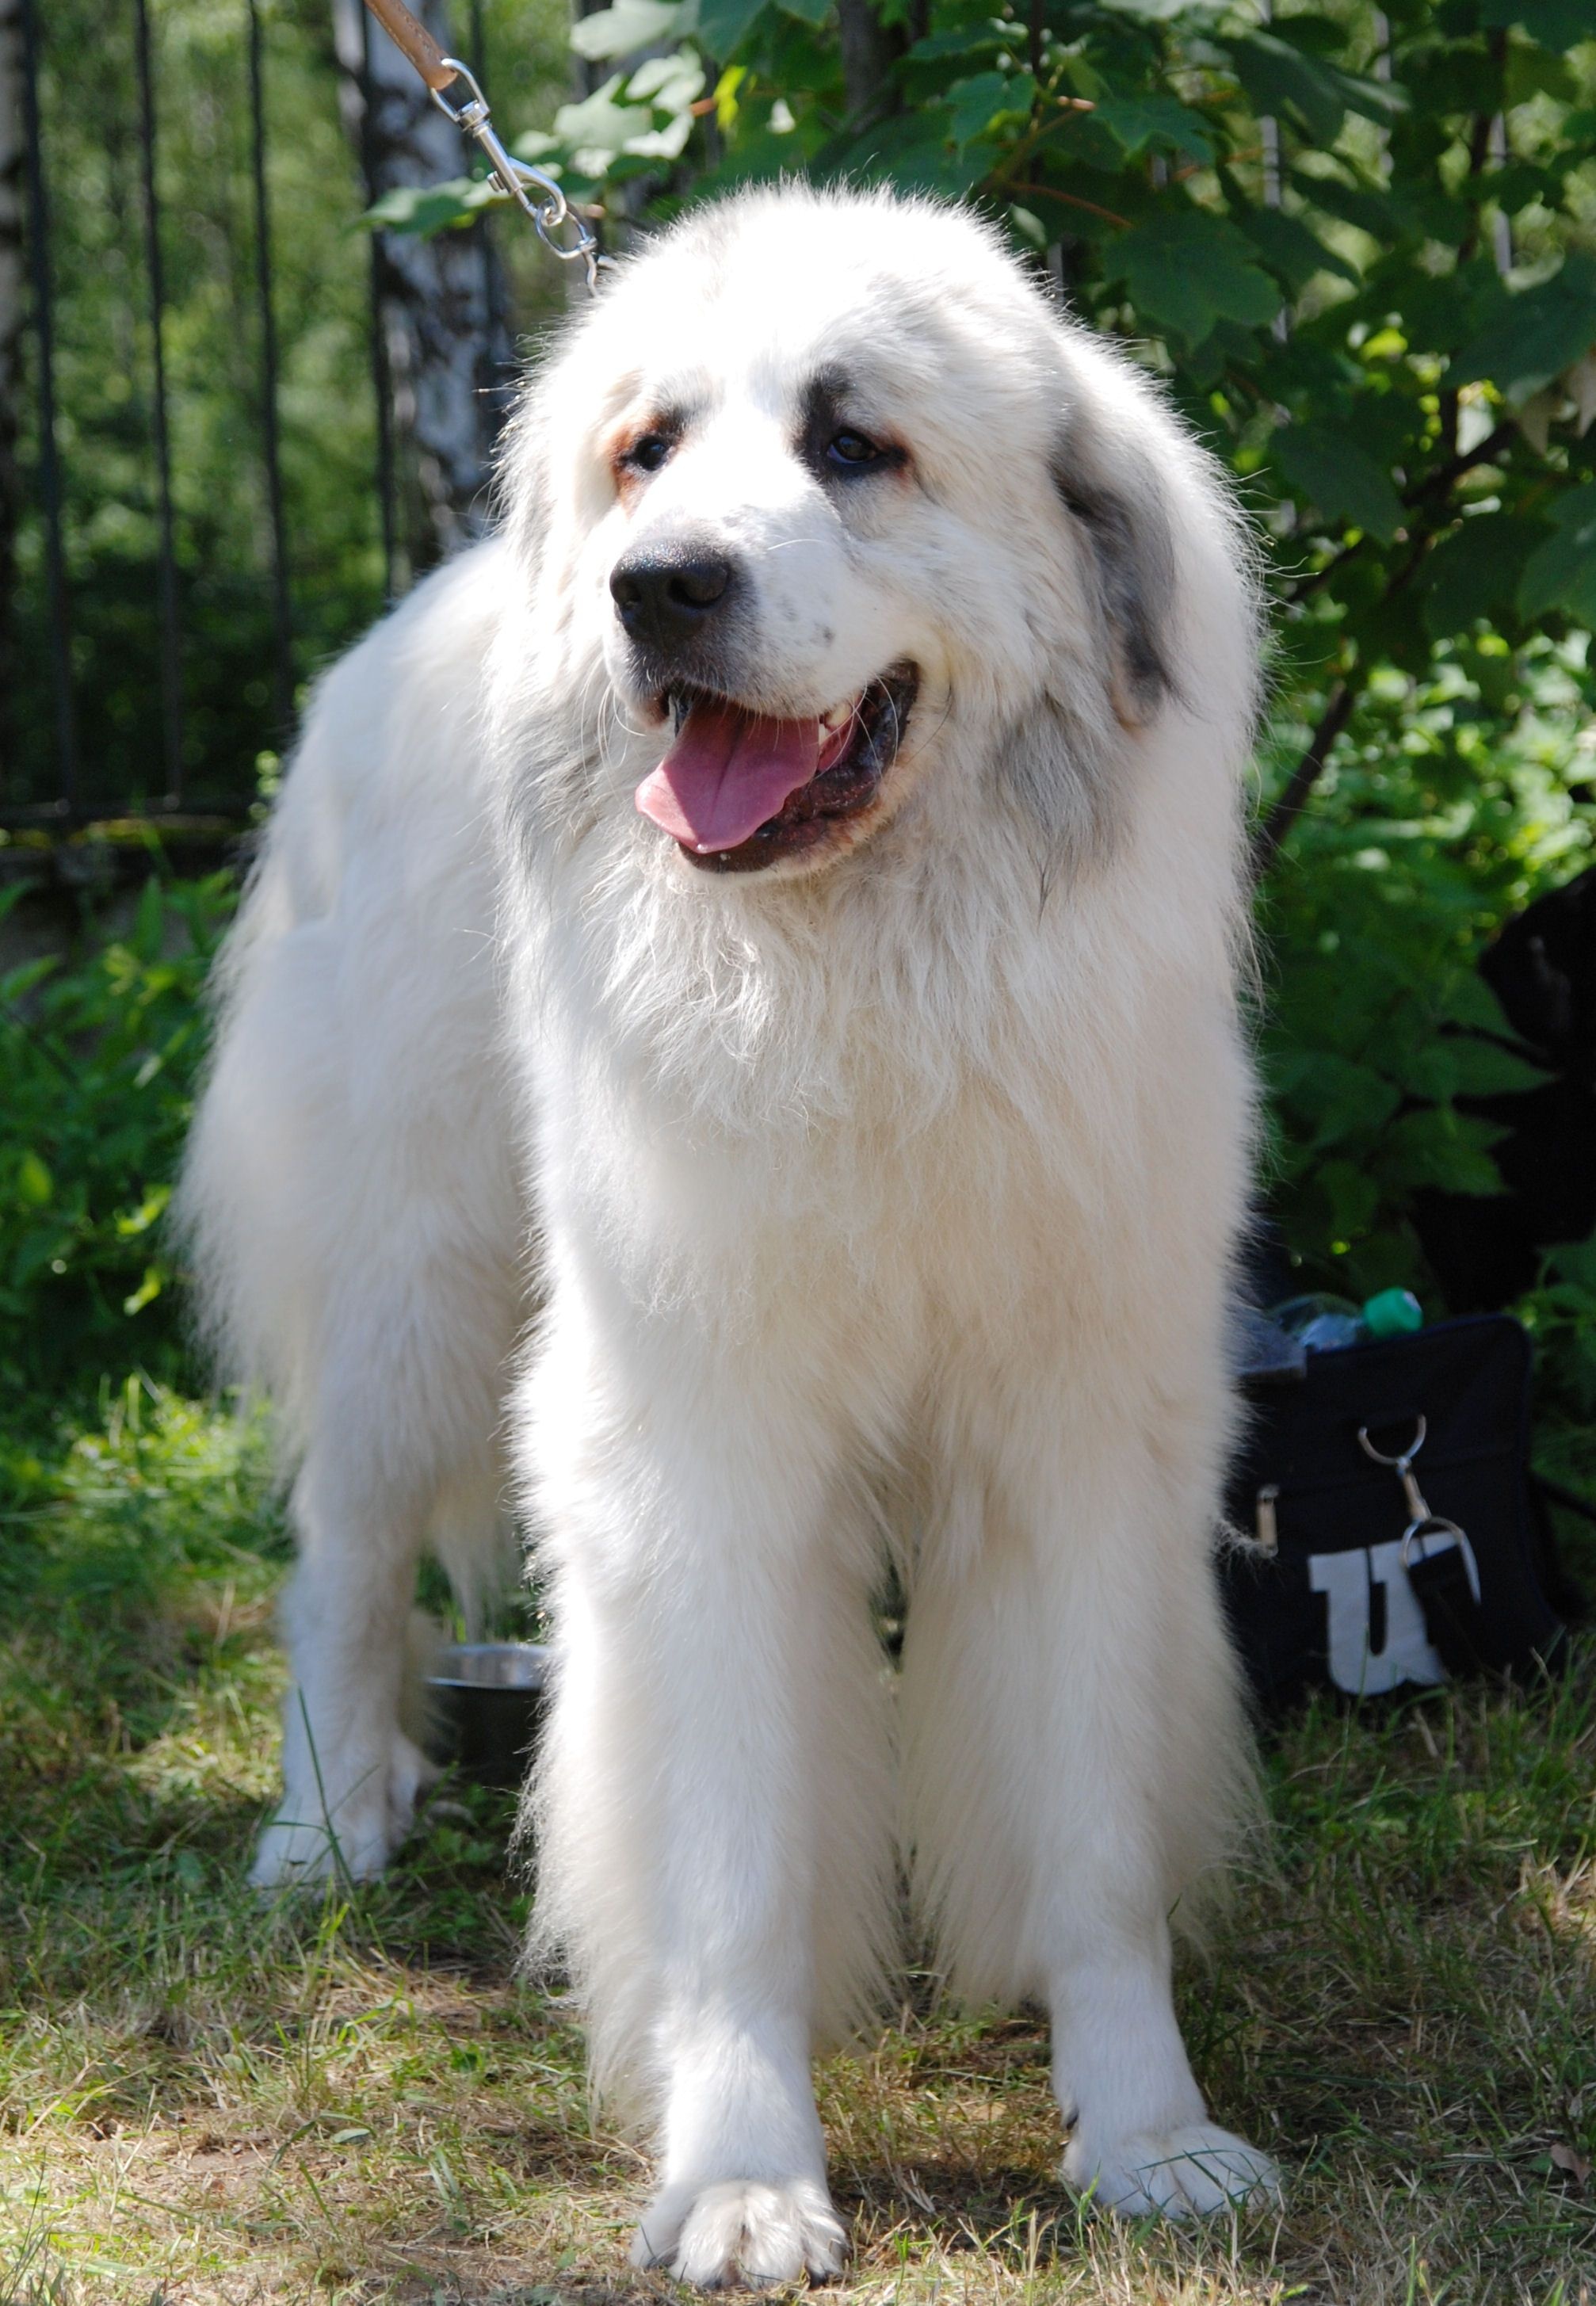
(743, 2233)
(354, 1837)
(1178, 2173)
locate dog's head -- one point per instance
(827, 514)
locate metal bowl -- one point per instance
(487, 1700)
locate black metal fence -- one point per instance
(210, 493)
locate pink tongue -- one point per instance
(727, 772)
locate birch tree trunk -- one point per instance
(13, 312)
(449, 357)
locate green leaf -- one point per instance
(913, 149)
(1138, 123)
(1354, 1196)
(1475, 572)
(35, 1184)
(1554, 24)
(1533, 335)
(1340, 1100)
(670, 83)
(980, 102)
(1463, 1064)
(147, 1292)
(598, 123)
(1468, 1000)
(1340, 477)
(622, 29)
(1445, 1150)
(807, 12)
(1291, 252)
(424, 210)
(1576, 1261)
(964, 40)
(723, 25)
(1561, 573)
(132, 1222)
(149, 921)
(1382, 215)
(1315, 95)
(1186, 269)
(1485, 1069)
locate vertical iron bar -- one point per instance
(282, 619)
(49, 468)
(496, 387)
(171, 636)
(381, 378)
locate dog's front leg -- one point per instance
(679, 1810)
(1077, 1762)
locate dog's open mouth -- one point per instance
(738, 789)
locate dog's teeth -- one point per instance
(838, 715)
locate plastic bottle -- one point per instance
(1392, 1313)
(1325, 1324)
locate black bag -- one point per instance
(1397, 1536)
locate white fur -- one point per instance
(886, 1200)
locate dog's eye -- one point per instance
(851, 450)
(648, 454)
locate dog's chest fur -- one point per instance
(904, 1100)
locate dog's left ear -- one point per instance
(1109, 488)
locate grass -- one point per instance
(204, 2097)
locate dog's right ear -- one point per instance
(1109, 488)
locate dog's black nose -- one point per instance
(666, 598)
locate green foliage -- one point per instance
(1561, 1317)
(1454, 801)
(98, 1053)
(107, 1524)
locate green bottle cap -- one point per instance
(1393, 1313)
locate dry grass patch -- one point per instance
(207, 2098)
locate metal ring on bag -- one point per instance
(1405, 1456)
(1417, 1531)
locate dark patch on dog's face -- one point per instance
(643, 449)
(838, 444)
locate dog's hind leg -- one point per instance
(351, 1773)
(400, 1453)
(1077, 1762)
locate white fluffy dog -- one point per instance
(776, 910)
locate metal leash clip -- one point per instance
(552, 214)
(1423, 1524)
